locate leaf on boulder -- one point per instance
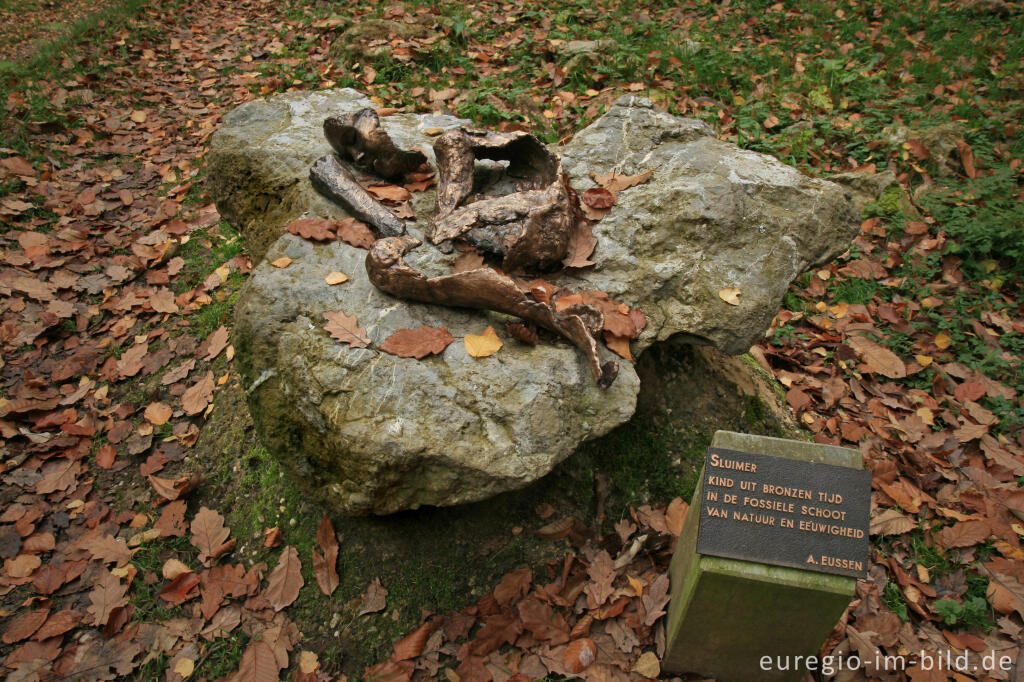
(523, 332)
(317, 229)
(417, 343)
(282, 262)
(614, 182)
(730, 295)
(471, 260)
(392, 193)
(581, 246)
(482, 345)
(336, 278)
(355, 233)
(285, 580)
(346, 329)
(599, 198)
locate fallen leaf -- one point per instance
(411, 645)
(177, 488)
(730, 295)
(259, 664)
(285, 580)
(618, 345)
(282, 262)
(374, 599)
(579, 655)
(656, 599)
(197, 397)
(336, 278)
(209, 535)
(345, 328)
(272, 537)
(158, 413)
(172, 568)
(181, 589)
(581, 246)
(24, 625)
(523, 332)
(325, 566)
(105, 456)
(967, 159)
(964, 534)
(482, 345)
(390, 193)
(355, 233)
(891, 522)
(599, 198)
(614, 182)
(318, 229)
(215, 343)
(417, 343)
(877, 357)
(648, 665)
(942, 341)
(108, 594)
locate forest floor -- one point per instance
(143, 531)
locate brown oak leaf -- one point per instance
(345, 328)
(355, 233)
(209, 535)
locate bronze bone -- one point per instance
(530, 228)
(487, 289)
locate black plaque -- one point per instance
(785, 512)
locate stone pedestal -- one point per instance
(726, 614)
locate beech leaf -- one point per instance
(482, 345)
(417, 343)
(318, 229)
(285, 580)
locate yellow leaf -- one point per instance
(144, 536)
(922, 574)
(821, 306)
(138, 116)
(282, 262)
(223, 272)
(483, 345)
(824, 275)
(730, 295)
(184, 666)
(923, 360)
(840, 309)
(648, 666)
(637, 586)
(173, 568)
(926, 416)
(336, 278)
(942, 341)
(930, 302)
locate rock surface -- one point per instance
(260, 159)
(372, 433)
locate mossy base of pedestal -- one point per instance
(726, 614)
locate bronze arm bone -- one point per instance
(335, 182)
(487, 289)
(359, 138)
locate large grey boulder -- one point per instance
(260, 157)
(372, 433)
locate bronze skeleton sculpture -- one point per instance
(529, 228)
